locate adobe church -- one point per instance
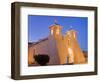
(62, 49)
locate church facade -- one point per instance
(62, 49)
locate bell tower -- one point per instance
(56, 32)
(55, 29)
(75, 53)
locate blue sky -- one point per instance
(38, 27)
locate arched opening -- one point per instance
(70, 56)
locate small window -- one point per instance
(74, 34)
(51, 32)
(57, 31)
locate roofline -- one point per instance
(39, 41)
